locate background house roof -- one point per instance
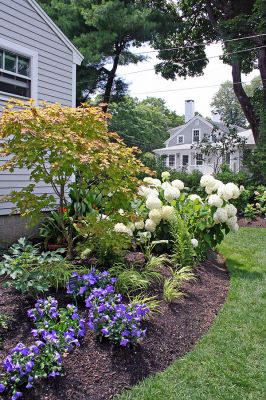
(77, 56)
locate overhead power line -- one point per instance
(200, 44)
(184, 62)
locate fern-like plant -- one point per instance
(172, 286)
(182, 251)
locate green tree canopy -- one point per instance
(105, 32)
(227, 105)
(143, 123)
(201, 22)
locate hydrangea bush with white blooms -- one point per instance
(159, 202)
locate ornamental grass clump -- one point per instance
(110, 318)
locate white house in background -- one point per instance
(36, 61)
(178, 153)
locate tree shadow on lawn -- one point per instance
(237, 269)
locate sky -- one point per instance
(146, 84)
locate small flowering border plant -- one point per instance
(85, 283)
(110, 318)
(60, 327)
(56, 331)
(24, 365)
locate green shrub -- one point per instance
(172, 286)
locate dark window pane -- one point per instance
(10, 62)
(23, 66)
(11, 84)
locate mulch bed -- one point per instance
(257, 223)
(98, 371)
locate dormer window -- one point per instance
(195, 135)
(15, 74)
(180, 139)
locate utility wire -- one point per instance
(200, 44)
(184, 62)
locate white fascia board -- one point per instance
(77, 56)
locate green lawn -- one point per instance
(229, 362)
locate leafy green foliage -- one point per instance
(32, 272)
(100, 240)
(143, 123)
(183, 253)
(172, 286)
(104, 32)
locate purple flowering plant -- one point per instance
(61, 327)
(87, 282)
(26, 364)
(110, 318)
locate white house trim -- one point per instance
(77, 56)
(74, 81)
(33, 55)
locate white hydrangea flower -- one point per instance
(165, 175)
(171, 194)
(209, 189)
(155, 215)
(241, 188)
(148, 180)
(178, 184)
(217, 184)
(150, 226)
(152, 181)
(168, 213)
(139, 225)
(145, 191)
(215, 200)
(121, 211)
(166, 185)
(225, 192)
(194, 242)
(153, 202)
(234, 189)
(231, 210)
(207, 180)
(232, 220)
(220, 215)
(235, 228)
(194, 197)
(122, 228)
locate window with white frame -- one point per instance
(15, 74)
(180, 139)
(199, 159)
(164, 159)
(195, 135)
(171, 160)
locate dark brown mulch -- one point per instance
(257, 223)
(98, 371)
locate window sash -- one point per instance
(171, 160)
(196, 135)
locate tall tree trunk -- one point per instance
(110, 81)
(262, 65)
(244, 100)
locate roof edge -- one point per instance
(77, 56)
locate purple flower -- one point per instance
(105, 331)
(125, 333)
(124, 342)
(16, 395)
(53, 374)
(2, 388)
(28, 366)
(39, 343)
(82, 290)
(8, 364)
(75, 316)
(34, 332)
(29, 386)
(91, 325)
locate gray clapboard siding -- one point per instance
(23, 25)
